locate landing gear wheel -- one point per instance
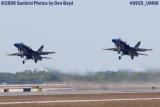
(119, 57)
(35, 61)
(23, 62)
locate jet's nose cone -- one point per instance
(15, 44)
(114, 40)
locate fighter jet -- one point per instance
(27, 53)
(121, 47)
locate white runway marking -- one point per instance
(76, 101)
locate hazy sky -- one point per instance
(78, 33)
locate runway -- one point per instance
(62, 91)
(79, 88)
(62, 95)
(78, 101)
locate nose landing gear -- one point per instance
(23, 62)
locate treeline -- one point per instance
(35, 76)
(29, 76)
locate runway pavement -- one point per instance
(59, 91)
(66, 88)
(78, 101)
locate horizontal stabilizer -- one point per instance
(46, 58)
(142, 54)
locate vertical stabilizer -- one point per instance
(137, 45)
(41, 48)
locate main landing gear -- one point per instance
(35, 61)
(132, 57)
(120, 57)
(24, 60)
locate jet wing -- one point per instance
(112, 49)
(15, 54)
(141, 49)
(46, 53)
